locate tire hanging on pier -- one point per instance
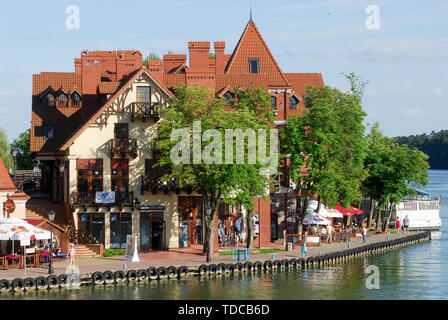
(119, 276)
(213, 269)
(153, 273)
(4, 285)
(301, 262)
(203, 270)
(310, 262)
(258, 266)
(293, 263)
(182, 272)
(131, 275)
(222, 268)
(248, 266)
(285, 263)
(231, 267)
(163, 273)
(56, 281)
(108, 276)
(172, 272)
(97, 278)
(41, 283)
(267, 264)
(239, 266)
(17, 285)
(29, 284)
(142, 275)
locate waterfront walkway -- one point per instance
(191, 257)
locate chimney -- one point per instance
(78, 65)
(199, 54)
(219, 56)
(173, 61)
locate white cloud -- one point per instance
(415, 113)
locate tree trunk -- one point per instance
(318, 204)
(210, 222)
(386, 224)
(378, 219)
(372, 208)
(249, 230)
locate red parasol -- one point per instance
(348, 212)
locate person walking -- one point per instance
(364, 234)
(329, 232)
(406, 223)
(71, 255)
(397, 224)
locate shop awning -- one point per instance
(324, 211)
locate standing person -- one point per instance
(364, 234)
(406, 223)
(313, 229)
(397, 224)
(71, 255)
(329, 232)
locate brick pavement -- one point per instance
(190, 257)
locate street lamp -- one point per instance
(14, 154)
(208, 212)
(51, 216)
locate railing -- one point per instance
(88, 199)
(123, 147)
(27, 180)
(418, 205)
(297, 239)
(90, 238)
(145, 110)
(154, 184)
(340, 236)
(31, 260)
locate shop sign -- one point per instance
(131, 249)
(10, 206)
(154, 207)
(105, 197)
(25, 242)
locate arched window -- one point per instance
(50, 99)
(293, 103)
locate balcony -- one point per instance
(154, 184)
(145, 111)
(88, 199)
(123, 147)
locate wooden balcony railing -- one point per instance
(123, 147)
(154, 184)
(145, 111)
(84, 199)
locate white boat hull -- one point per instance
(422, 215)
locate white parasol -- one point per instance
(324, 211)
(18, 229)
(315, 218)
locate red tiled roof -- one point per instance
(55, 80)
(108, 87)
(6, 183)
(174, 57)
(300, 80)
(173, 80)
(238, 80)
(199, 70)
(252, 45)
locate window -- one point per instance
(50, 99)
(48, 132)
(90, 175)
(62, 99)
(76, 99)
(121, 131)
(120, 176)
(253, 65)
(143, 94)
(228, 96)
(293, 103)
(273, 102)
(120, 227)
(91, 226)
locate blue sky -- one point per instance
(405, 60)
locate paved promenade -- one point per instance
(190, 257)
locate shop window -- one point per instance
(91, 228)
(120, 227)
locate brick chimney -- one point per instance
(199, 54)
(173, 61)
(220, 63)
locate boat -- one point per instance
(423, 212)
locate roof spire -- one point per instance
(250, 20)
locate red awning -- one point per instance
(348, 212)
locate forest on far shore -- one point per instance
(435, 145)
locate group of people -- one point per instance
(405, 225)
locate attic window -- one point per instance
(293, 103)
(75, 99)
(48, 132)
(50, 99)
(62, 99)
(253, 65)
(228, 96)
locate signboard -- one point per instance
(154, 207)
(312, 240)
(30, 250)
(131, 249)
(105, 197)
(10, 206)
(25, 242)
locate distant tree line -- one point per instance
(435, 145)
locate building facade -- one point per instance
(94, 131)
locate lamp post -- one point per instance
(14, 154)
(61, 167)
(208, 212)
(51, 216)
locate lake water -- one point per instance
(416, 272)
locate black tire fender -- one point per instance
(97, 278)
(17, 285)
(131, 275)
(172, 272)
(182, 272)
(119, 276)
(142, 275)
(153, 273)
(29, 283)
(41, 283)
(5, 285)
(163, 272)
(108, 276)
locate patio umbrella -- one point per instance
(324, 211)
(18, 229)
(348, 212)
(315, 218)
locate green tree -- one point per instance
(151, 56)
(24, 160)
(327, 142)
(394, 171)
(5, 151)
(217, 181)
